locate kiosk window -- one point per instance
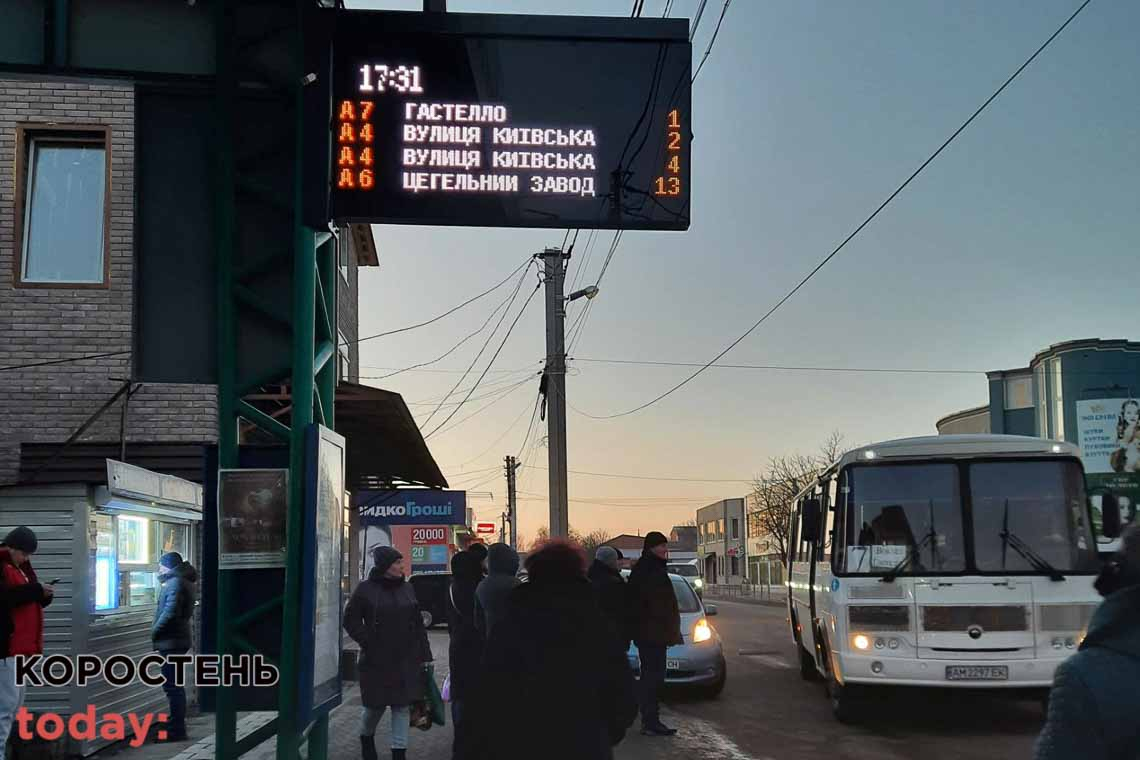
(127, 550)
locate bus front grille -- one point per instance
(991, 618)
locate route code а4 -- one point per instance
(206, 670)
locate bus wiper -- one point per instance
(930, 536)
(1039, 563)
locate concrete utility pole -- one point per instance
(555, 371)
(511, 467)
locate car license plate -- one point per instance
(672, 664)
(977, 673)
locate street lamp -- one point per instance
(589, 292)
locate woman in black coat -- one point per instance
(556, 682)
(466, 647)
(383, 617)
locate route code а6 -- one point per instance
(208, 670)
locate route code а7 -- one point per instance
(207, 670)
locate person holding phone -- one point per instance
(22, 602)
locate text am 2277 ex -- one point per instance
(948, 561)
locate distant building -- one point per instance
(765, 566)
(1085, 392)
(683, 542)
(721, 541)
(628, 548)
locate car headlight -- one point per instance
(699, 583)
(701, 631)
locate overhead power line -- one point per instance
(482, 348)
(712, 41)
(450, 311)
(654, 477)
(493, 357)
(827, 259)
(88, 357)
(697, 19)
(901, 370)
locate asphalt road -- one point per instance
(768, 711)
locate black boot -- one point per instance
(368, 748)
(399, 754)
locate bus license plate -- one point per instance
(977, 673)
(672, 664)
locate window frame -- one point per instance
(58, 133)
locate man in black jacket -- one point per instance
(655, 625)
(466, 646)
(556, 684)
(610, 591)
(171, 631)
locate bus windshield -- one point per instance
(910, 519)
(905, 516)
(1026, 512)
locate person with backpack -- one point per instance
(383, 617)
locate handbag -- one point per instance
(446, 693)
(430, 710)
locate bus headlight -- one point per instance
(701, 631)
(698, 583)
(861, 642)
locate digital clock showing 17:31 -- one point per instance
(379, 77)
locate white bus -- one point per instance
(946, 561)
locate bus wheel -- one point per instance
(808, 670)
(845, 702)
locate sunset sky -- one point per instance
(806, 116)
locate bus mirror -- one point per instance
(811, 511)
(1110, 515)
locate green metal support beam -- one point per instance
(263, 420)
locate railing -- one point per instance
(745, 592)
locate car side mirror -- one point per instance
(1110, 524)
(710, 610)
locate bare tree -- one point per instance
(774, 489)
(588, 541)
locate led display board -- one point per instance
(511, 121)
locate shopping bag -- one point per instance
(446, 693)
(434, 698)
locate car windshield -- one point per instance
(687, 571)
(904, 516)
(1028, 512)
(686, 599)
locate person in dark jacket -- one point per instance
(491, 595)
(171, 631)
(655, 623)
(1092, 708)
(466, 645)
(383, 617)
(556, 682)
(480, 552)
(611, 591)
(22, 602)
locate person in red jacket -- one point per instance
(22, 599)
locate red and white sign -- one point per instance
(484, 529)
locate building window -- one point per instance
(127, 550)
(1018, 392)
(62, 207)
(1042, 399)
(1058, 400)
(735, 566)
(720, 529)
(735, 527)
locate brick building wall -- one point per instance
(48, 403)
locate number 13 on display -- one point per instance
(670, 182)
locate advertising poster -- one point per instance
(329, 533)
(251, 518)
(417, 522)
(1109, 437)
